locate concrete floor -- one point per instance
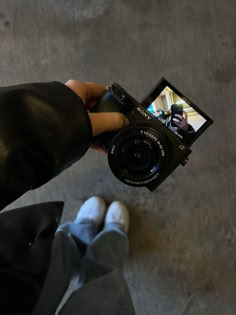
(183, 236)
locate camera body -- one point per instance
(145, 152)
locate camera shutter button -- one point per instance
(122, 98)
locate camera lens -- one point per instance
(138, 154)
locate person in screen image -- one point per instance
(176, 120)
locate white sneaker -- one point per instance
(118, 214)
(92, 210)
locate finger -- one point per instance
(78, 87)
(177, 123)
(179, 116)
(185, 115)
(93, 91)
(102, 122)
(88, 91)
(176, 120)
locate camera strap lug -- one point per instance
(185, 161)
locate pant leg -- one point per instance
(70, 244)
(102, 288)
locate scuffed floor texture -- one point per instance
(183, 236)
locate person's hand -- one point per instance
(182, 121)
(90, 93)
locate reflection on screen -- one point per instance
(178, 116)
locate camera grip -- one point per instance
(107, 104)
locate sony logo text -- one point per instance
(143, 113)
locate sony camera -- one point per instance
(149, 149)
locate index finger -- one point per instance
(179, 116)
(93, 91)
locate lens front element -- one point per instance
(138, 156)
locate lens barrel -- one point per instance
(138, 154)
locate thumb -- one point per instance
(102, 122)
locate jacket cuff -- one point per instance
(45, 128)
(79, 124)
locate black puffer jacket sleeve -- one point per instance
(44, 128)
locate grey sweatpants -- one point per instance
(95, 262)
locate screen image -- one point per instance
(177, 115)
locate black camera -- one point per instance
(149, 149)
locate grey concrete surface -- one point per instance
(183, 235)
